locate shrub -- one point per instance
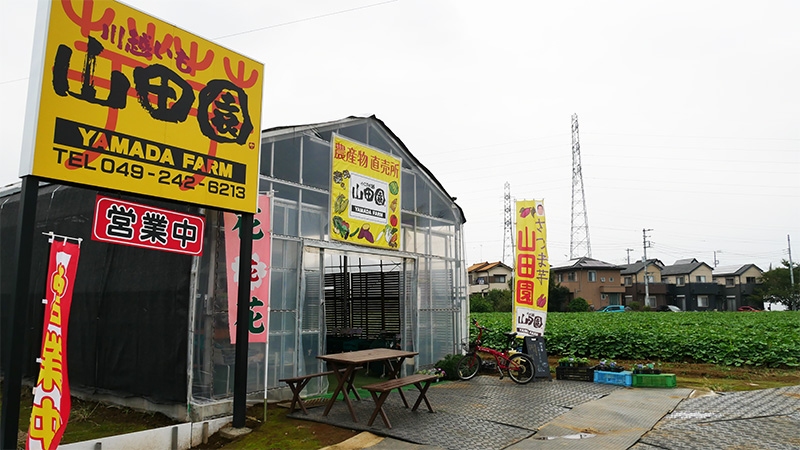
(578, 305)
(448, 364)
(479, 304)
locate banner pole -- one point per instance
(242, 321)
(14, 337)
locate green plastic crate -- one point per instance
(665, 380)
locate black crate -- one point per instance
(575, 373)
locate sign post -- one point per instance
(15, 333)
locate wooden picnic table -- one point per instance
(393, 359)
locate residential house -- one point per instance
(737, 283)
(485, 276)
(595, 281)
(693, 286)
(654, 294)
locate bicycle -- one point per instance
(519, 366)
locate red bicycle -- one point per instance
(519, 366)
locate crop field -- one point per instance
(766, 339)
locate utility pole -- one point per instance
(628, 251)
(791, 265)
(508, 232)
(646, 245)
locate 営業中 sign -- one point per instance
(121, 100)
(121, 222)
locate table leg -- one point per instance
(344, 386)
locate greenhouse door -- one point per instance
(365, 302)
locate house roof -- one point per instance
(630, 269)
(585, 263)
(733, 270)
(484, 266)
(683, 267)
(275, 131)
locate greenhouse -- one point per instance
(153, 327)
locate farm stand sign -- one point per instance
(121, 100)
(365, 195)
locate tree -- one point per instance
(479, 304)
(496, 300)
(776, 286)
(557, 297)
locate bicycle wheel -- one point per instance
(468, 366)
(521, 368)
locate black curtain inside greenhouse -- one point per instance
(127, 332)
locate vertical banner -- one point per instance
(51, 400)
(531, 269)
(259, 271)
(365, 195)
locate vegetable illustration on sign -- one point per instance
(365, 195)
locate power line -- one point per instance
(291, 22)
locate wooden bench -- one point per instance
(421, 381)
(297, 384)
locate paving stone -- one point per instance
(484, 413)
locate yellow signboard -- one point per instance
(131, 103)
(531, 269)
(365, 195)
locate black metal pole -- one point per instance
(14, 337)
(242, 321)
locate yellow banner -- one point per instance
(531, 269)
(365, 195)
(131, 103)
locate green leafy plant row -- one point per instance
(769, 339)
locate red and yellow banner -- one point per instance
(365, 195)
(259, 271)
(51, 400)
(531, 269)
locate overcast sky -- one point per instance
(689, 111)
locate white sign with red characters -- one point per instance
(51, 400)
(121, 222)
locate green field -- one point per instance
(769, 339)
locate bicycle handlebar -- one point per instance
(475, 322)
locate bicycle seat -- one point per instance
(510, 334)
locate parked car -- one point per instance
(748, 308)
(614, 308)
(669, 308)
